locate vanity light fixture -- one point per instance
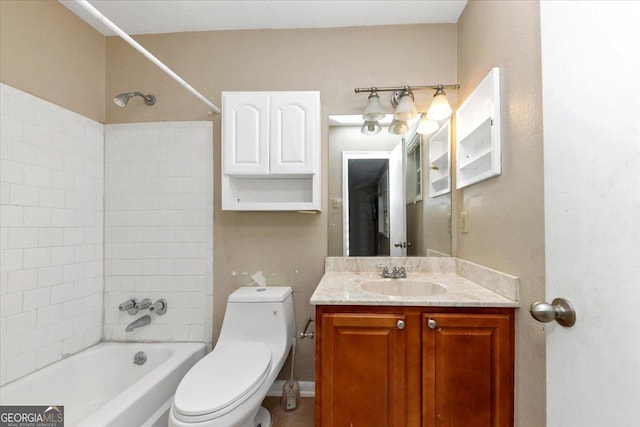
(405, 109)
(371, 128)
(427, 126)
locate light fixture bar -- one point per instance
(397, 88)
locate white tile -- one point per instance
(51, 159)
(50, 236)
(37, 175)
(11, 304)
(52, 198)
(21, 280)
(71, 309)
(63, 217)
(63, 180)
(37, 257)
(12, 172)
(48, 276)
(37, 216)
(73, 272)
(24, 195)
(12, 216)
(37, 135)
(22, 238)
(62, 255)
(11, 127)
(36, 298)
(21, 323)
(35, 339)
(49, 316)
(12, 260)
(49, 354)
(62, 293)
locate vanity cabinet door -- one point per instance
(467, 366)
(363, 369)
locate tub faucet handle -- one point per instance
(159, 307)
(144, 304)
(130, 306)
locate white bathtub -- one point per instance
(101, 386)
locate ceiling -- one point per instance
(170, 16)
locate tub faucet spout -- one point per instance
(139, 322)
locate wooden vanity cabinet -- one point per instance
(393, 366)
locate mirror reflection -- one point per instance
(381, 201)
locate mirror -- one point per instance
(382, 198)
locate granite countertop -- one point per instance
(458, 283)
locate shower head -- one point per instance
(122, 99)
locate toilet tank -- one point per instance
(260, 314)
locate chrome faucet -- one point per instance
(397, 273)
(139, 322)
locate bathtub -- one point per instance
(101, 386)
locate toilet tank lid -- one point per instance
(260, 294)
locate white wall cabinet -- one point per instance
(478, 133)
(271, 151)
(440, 161)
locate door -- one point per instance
(294, 136)
(591, 93)
(363, 371)
(467, 369)
(397, 206)
(245, 133)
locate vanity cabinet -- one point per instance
(271, 150)
(414, 366)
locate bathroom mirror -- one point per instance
(379, 200)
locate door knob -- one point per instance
(400, 324)
(559, 310)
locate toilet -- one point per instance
(226, 387)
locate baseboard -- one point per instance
(307, 388)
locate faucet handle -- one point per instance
(130, 306)
(385, 270)
(159, 307)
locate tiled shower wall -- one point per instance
(51, 232)
(158, 228)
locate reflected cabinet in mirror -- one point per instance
(381, 197)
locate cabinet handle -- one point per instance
(432, 323)
(400, 324)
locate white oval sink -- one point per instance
(403, 287)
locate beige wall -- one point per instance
(506, 213)
(287, 248)
(49, 52)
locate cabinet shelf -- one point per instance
(478, 133)
(440, 161)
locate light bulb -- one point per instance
(398, 127)
(440, 108)
(370, 128)
(427, 126)
(405, 110)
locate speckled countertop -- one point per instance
(459, 283)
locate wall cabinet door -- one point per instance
(364, 370)
(467, 367)
(245, 133)
(294, 132)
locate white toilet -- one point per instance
(226, 387)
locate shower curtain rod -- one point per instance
(96, 14)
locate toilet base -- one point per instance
(263, 418)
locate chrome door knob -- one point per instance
(400, 324)
(432, 324)
(559, 310)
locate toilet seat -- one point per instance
(221, 381)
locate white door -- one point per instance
(397, 214)
(591, 113)
(294, 132)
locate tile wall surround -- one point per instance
(92, 215)
(501, 283)
(51, 232)
(158, 228)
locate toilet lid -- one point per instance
(230, 373)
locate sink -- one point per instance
(403, 287)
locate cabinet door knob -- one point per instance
(432, 323)
(400, 324)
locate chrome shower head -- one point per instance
(122, 99)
